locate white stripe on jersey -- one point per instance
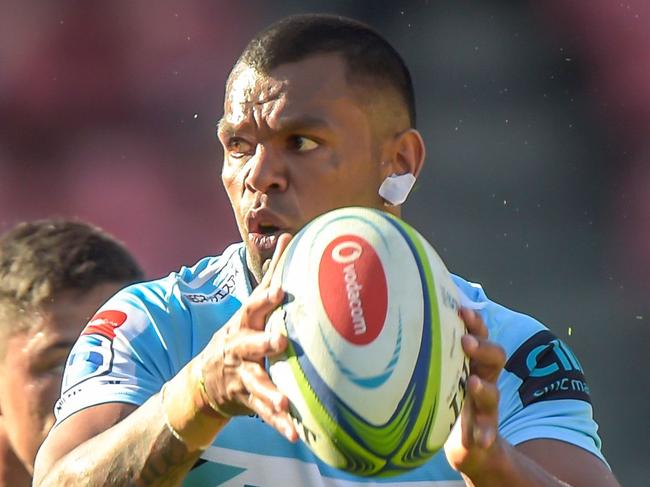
(282, 471)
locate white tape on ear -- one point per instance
(396, 188)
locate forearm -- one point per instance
(140, 450)
(508, 466)
(156, 444)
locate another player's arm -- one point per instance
(158, 442)
(485, 458)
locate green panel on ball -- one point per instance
(384, 439)
(414, 452)
(359, 461)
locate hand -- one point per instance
(233, 362)
(474, 438)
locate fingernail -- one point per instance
(487, 437)
(471, 342)
(278, 402)
(273, 339)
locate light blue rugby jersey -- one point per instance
(146, 333)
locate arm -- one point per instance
(486, 459)
(98, 447)
(158, 443)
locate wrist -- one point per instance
(188, 411)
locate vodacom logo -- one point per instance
(346, 252)
(353, 288)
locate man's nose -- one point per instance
(267, 172)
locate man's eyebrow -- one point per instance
(306, 122)
(223, 126)
(59, 344)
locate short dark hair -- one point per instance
(40, 259)
(367, 55)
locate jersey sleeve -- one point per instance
(544, 394)
(122, 355)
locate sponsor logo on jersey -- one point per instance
(353, 289)
(104, 323)
(226, 288)
(549, 370)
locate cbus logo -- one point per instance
(548, 370)
(562, 358)
(353, 289)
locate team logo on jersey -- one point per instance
(549, 370)
(92, 354)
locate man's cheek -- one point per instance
(40, 395)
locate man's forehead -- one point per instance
(307, 83)
(248, 89)
(247, 84)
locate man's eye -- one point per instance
(50, 365)
(301, 143)
(238, 148)
(57, 368)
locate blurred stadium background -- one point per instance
(536, 116)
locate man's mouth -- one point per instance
(268, 229)
(264, 228)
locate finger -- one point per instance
(483, 434)
(280, 421)
(280, 247)
(484, 400)
(259, 305)
(265, 399)
(484, 396)
(474, 323)
(253, 346)
(259, 384)
(486, 358)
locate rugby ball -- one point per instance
(374, 371)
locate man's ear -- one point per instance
(405, 154)
(402, 162)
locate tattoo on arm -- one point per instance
(138, 451)
(167, 463)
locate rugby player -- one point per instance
(319, 112)
(54, 274)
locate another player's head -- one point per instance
(318, 111)
(53, 276)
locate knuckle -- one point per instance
(251, 401)
(248, 311)
(230, 350)
(253, 371)
(233, 389)
(501, 355)
(497, 352)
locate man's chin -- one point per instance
(258, 259)
(263, 244)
